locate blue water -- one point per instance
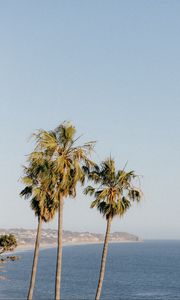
(148, 270)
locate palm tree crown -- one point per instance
(114, 191)
(66, 157)
(39, 186)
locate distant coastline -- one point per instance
(26, 238)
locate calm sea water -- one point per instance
(148, 270)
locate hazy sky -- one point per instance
(113, 69)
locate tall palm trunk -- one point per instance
(103, 260)
(59, 249)
(35, 260)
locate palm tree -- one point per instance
(39, 189)
(67, 160)
(113, 196)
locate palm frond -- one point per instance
(89, 190)
(46, 140)
(26, 192)
(95, 203)
(135, 195)
(65, 133)
(27, 180)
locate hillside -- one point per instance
(26, 237)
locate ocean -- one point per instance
(135, 271)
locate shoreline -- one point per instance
(24, 248)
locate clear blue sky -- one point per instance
(113, 69)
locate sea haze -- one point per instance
(141, 271)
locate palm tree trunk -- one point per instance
(103, 260)
(35, 260)
(59, 249)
